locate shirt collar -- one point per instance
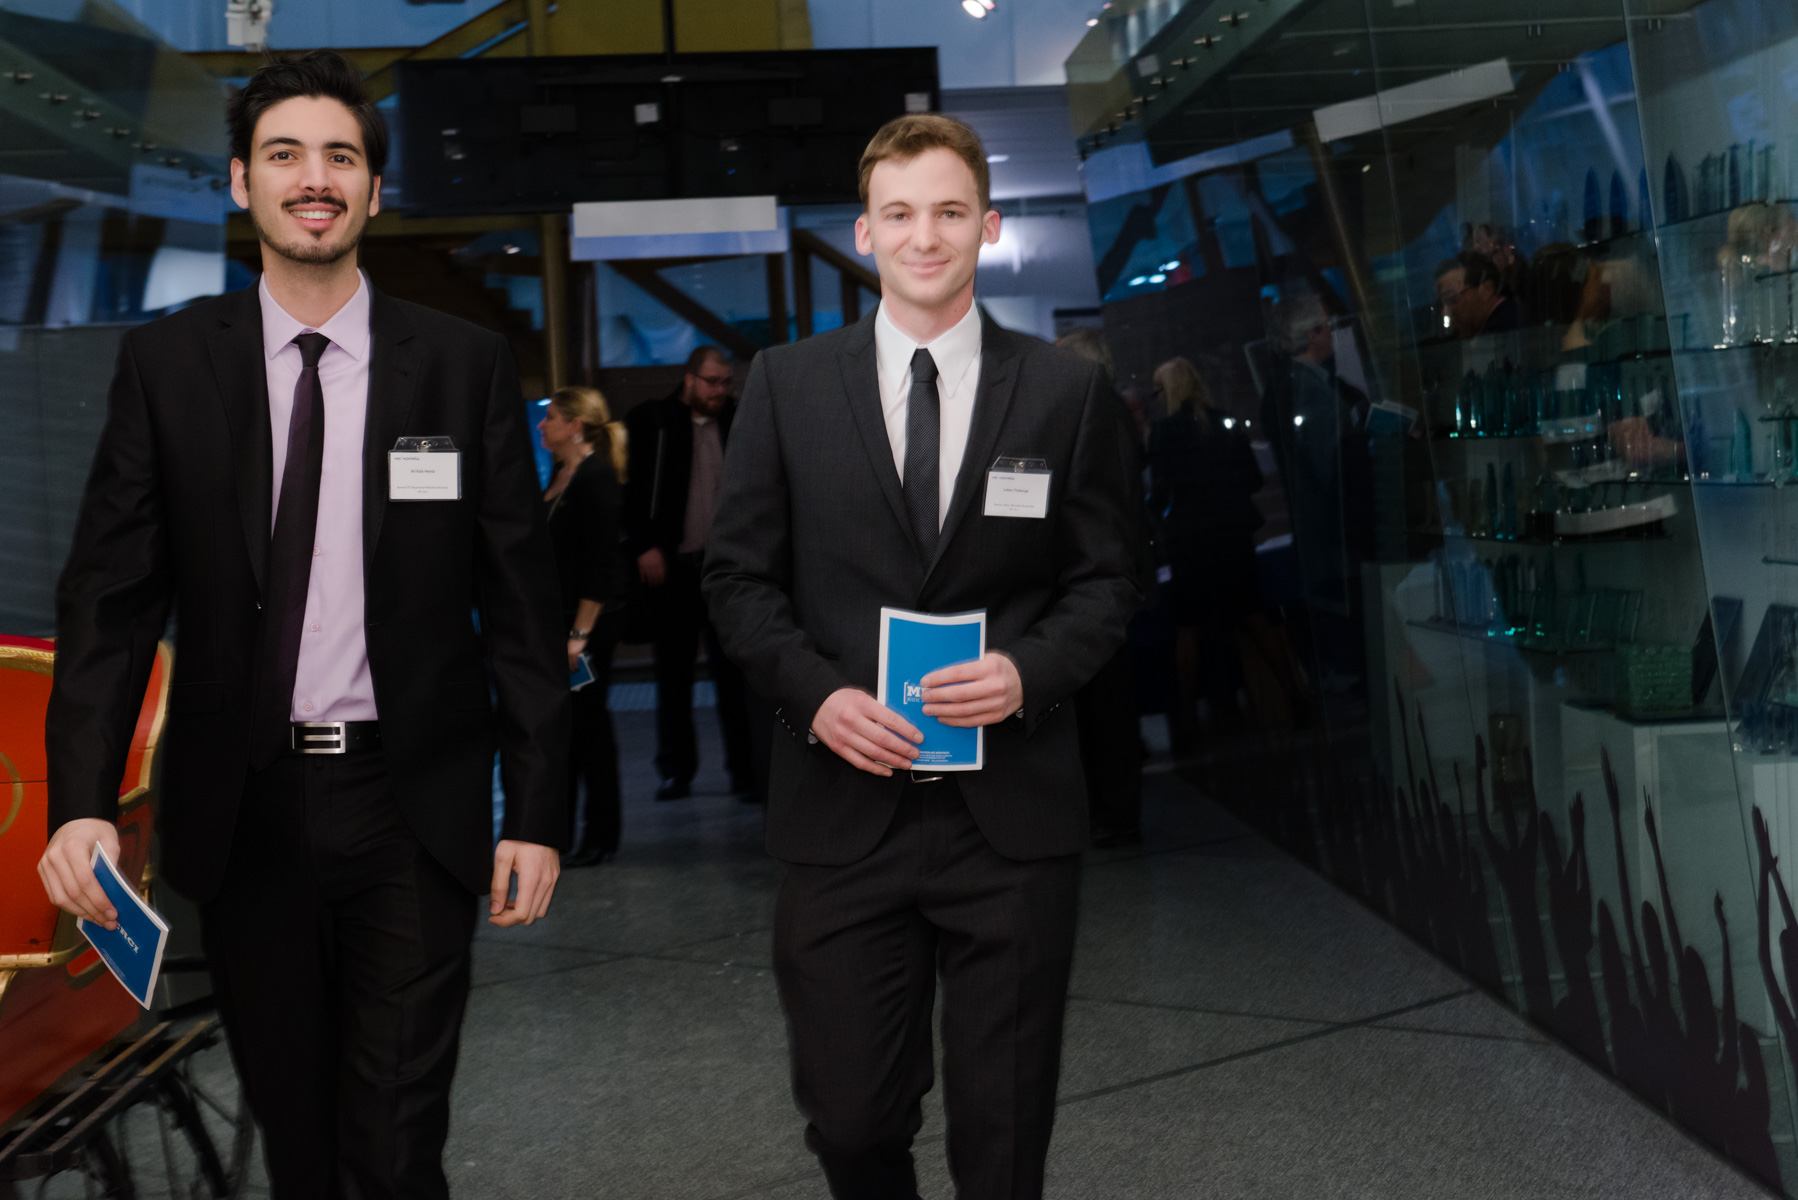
(347, 328)
(955, 350)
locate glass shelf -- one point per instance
(1498, 637)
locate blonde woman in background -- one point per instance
(583, 503)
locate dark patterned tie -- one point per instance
(290, 558)
(923, 443)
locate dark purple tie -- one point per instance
(290, 559)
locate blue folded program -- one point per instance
(912, 645)
(133, 951)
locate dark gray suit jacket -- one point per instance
(811, 539)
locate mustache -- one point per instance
(317, 202)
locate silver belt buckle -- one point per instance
(321, 737)
(917, 778)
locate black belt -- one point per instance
(333, 737)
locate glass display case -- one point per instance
(1509, 296)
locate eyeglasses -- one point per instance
(714, 380)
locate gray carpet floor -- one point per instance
(1238, 1029)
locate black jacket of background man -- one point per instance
(661, 469)
(811, 539)
(177, 512)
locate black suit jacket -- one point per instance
(177, 512)
(660, 471)
(811, 539)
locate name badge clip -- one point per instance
(424, 468)
(1018, 487)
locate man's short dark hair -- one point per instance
(323, 73)
(703, 355)
(1476, 269)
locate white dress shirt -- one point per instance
(957, 355)
(333, 681)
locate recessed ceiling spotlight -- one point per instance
(998, 158)
(973, 8)
(1091, 21)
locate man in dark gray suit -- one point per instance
(857, 478)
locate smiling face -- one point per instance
(307, 184)
(924, 225)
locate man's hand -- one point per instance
(864, 733)
(982, 692)
(651, 567)
(576, 648)
(68, 873)
(537, 868)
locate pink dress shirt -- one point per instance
(332, 682)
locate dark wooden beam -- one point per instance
(777, 299)
(852, 298)
(811, 243)
(802, 291)
(688, 309)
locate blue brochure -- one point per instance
(582, 675)
(912, 645)
(133, 951)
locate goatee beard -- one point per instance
(311, 254)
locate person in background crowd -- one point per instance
(1110, 728)
(1202, 480)
(670, 497)
(1512, 265)
(582, 502)
(1317, 425)
(1470, 296)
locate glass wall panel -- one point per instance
(1503, 299)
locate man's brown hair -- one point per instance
(904, 138)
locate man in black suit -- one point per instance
(326, 794)
(670, 496)
(857, 478)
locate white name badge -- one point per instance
(1018, 487)
(424, 469)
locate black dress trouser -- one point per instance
(681, 622)
(857, 954)
(339, 950)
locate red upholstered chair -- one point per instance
(58, 1003)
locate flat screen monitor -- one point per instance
(520, 135)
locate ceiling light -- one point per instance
(990, 4)
(1158, 278)
(998, 158)
(1091, 21)
(973, 8)
(1139, 281)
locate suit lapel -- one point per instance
(241, 370)
(992, 399)
(392, 384)
(861, 381)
